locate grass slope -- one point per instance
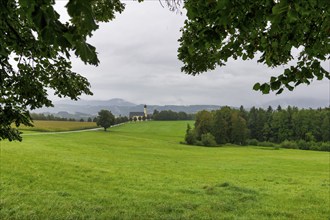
(140, 171)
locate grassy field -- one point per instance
(47, 126)
(140, 171)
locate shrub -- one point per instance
(190, 137)
(315, 146)
(304, 145)
(289, 144)
(266, 144)
(252, 142)
(325, 146)
(208, 140)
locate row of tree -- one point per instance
(51, 117)
(140, 118)
(106, 119)
(168, 115)
(291, 124)
(228, 125)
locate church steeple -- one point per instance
(145, 111)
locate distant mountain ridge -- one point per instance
(299, 102)
(85, 108)
(110, 102)
(90, 108)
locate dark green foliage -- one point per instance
(208, 140)
(252, 142)
(303, 129)
(121, 119)
(216, 31)
(188, 128)
(325, 146)
(256, 122)
(266, 144)
(289, 144)
(168, 115)
(203, 123)
(276, 147)
(222, 126)
(239, 131)
(50, 117)
(304, 145)
(190, 137)
(289, 124)
(35, 48)
(155, 114)
(105, 119)
(325, 128)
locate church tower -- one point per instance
(145, 111)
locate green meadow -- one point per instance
(51, 126)
(141, 171)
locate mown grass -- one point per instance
(140, 171)
(51, 126)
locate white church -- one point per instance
(133, 115)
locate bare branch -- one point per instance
(173, 5)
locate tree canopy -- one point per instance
(302, 128)
(218, 30)
(35, 48)
(105, 119)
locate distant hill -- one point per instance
(110, 102)
(298, 102)
(85, 108)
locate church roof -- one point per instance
(132, 114)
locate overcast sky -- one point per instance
(138, 63)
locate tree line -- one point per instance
(51, 117)
(289, 128)
(106, 119)
(168, 115)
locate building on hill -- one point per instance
(136, 115)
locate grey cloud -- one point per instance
(138, 54)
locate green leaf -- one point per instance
(273, 79)
(87, 53)
(292, 16)
(256, 86)
(280, 7)
(275, 85)
(265, 88)
(279, 91)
